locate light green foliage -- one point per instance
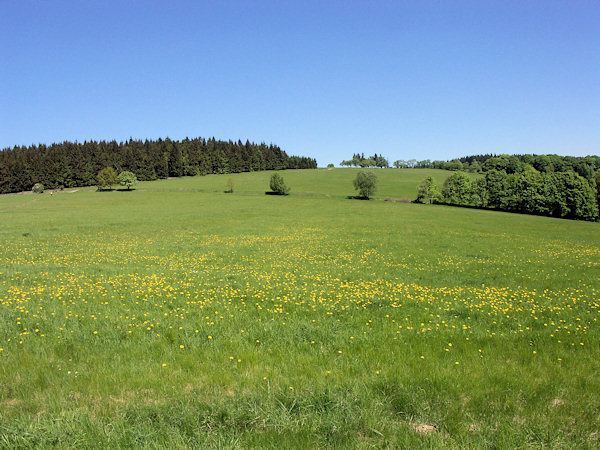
(428, 191)
(128, 180)
(366, 184)
(277, 185)
(475, 166)
(107, 177)
(455, 164)
(38, 188)
(315, 322)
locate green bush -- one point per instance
(278, 186)
(38, 188)
(366, 184)
(106, 178)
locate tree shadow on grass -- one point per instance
(115, 190)
(357, 197)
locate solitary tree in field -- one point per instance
(229, 186)
(366, 184)
(106, 178)
(127, 179)
(278, 186)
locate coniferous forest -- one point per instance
(70, 164)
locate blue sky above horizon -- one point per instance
(326, 79)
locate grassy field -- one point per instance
(320, 183)
(177, 315)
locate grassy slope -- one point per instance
(336, 183)
(348, 310)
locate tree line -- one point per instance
(359, 160)
(585, 166)
(555, 194)
(70, 164)
(551, 185)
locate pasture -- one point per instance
(177, 315)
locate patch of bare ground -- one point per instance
(424, 428)
(475, 428)
(10, 403)
(397, 200)
(308, 194)
(520, 421)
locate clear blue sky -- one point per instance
(420, 79)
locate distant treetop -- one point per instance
(359, 160)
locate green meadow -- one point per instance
(177, 315)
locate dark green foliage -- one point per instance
(278, 186)
(330, 166)
(573, 197)
(584, 170)
(494, 186)
(509, 164)
(74, 164)
(127, 180)
(557, 194)
(38, 188)
(106, 178)
(428, 191)
(366, 184)
(480, 194)
(584, 166)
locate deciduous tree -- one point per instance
(106, 178)
(127, 180)
(428, 191)
(366, 184)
